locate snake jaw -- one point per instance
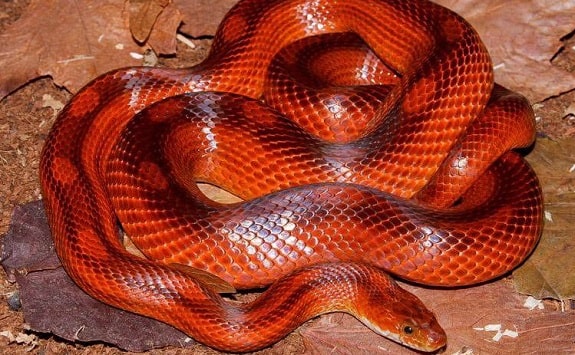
(423, 337)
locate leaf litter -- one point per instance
(533, 50)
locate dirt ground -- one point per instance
(25, 118)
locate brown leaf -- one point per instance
(72, 41)
(202, 17)
(163, 37)
(488, 319)
(155, 23)
(523, 36)
(52, 303)
(143, 16)
(25, 247)
(550, 271)
(76, 41)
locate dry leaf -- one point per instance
(488, 319)
(155, 23)
(523, 36)
(52, 303)
(202, 17)
(71, 41)
(143, 17)
(163, 37)
(76, 41)
(550, 271)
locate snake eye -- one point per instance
(408, 329)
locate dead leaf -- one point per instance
(163, 37)
(29, 340)
(71, 41)
(488, 319)
(522, 37)
(155, 23)
(550, 271)
(25, 247)
(143, 16)
(76, 41)
(202, 17)
(52, 303)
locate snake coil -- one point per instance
(363, 135)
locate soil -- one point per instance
(25, 119)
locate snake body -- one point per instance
(402, 163)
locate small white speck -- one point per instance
(119, 46)
(499, 333)
(549, 216)
(572, 169)
(136, 55)
(510, 333)
(531, 303)
(492, 327)
(499, 66)
(462, 162)
(460, 165)
(185, 40)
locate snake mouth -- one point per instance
(436, 340)
(425, 338)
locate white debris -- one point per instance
(136, 55)
(531, 303)
(499, 66)
(505, 333)
(499, 333)
(49, 101)
(185, 40)
(29, 340)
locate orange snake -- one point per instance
(418, 180)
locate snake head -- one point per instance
(424, 336)
(402, 317)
